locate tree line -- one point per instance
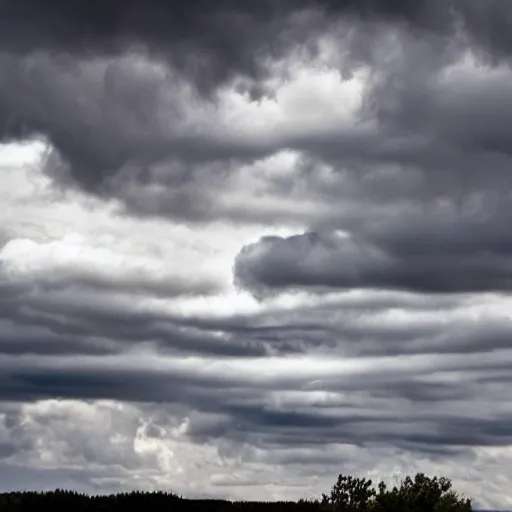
(348, 494)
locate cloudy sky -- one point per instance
(247, 246)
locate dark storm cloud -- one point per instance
(35, 325)
(75, 313)
(227, 31)
(429, 260)
(208, 39)
(245, 412)
(99, 116)
(40, 341)
(42, 320)
(102, 119)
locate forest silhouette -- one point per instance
(348, 494)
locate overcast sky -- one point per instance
(248, 246)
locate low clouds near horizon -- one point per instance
(246, 246)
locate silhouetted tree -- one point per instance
(349, 494)
(421, 494)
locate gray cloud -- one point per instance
(264, 239)
(431, 262)
(199, 25)
(360, 414)
(103, 115)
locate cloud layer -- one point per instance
(244, 248)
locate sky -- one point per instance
(248, 246)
